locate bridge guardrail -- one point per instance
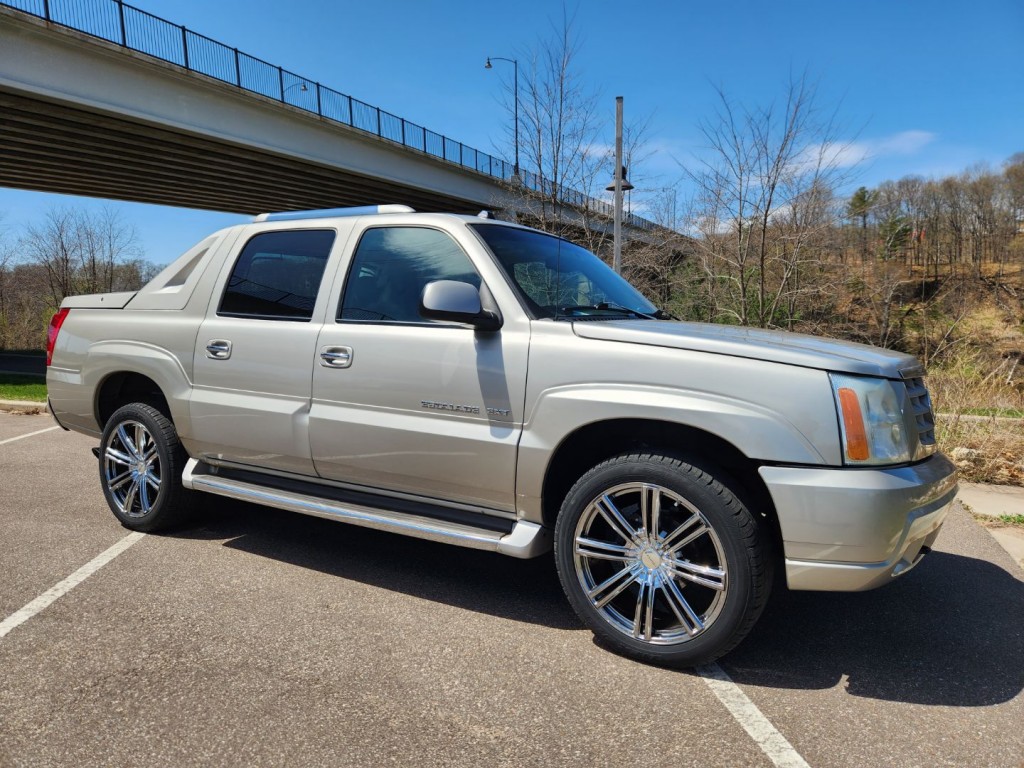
(143, 32)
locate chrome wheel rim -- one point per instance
(650, 564)
(131, 469)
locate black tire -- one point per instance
(703, 578)
(142, 483)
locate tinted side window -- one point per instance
(277, 275)
(391, 267)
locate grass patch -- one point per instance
(1015, 520)
(984, 450)
(1003, 413)
(16, 386)
(978, 400)
(998, 521)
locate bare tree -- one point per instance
(55, 245)
(70, 251)
(6, 256)
(564, 163)
(1013, 171)
(559, 123)
(106, 241)
(80, 250)
(763, 194)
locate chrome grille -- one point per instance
(921, 404)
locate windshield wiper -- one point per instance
(604, 306)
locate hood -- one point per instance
(756, 344)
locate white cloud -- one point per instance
(848, 154)
(905, 143)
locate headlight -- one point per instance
(871, 419)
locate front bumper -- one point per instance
(854, 529)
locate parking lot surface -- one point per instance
(259, 637)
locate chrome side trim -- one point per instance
(526, 539)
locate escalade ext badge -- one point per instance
(431, 405)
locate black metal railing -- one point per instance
(141, 31)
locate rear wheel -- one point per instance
(661, 560)
(140, 464)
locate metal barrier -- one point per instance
(137, 30)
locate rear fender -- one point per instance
(77, 392)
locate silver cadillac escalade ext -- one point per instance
(488, 385)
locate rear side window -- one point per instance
(277, 275)
(392, 266)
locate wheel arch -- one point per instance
(595, 442)
(123, 387)
(121, 372)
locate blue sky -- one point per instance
(928, 87)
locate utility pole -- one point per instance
(617, 231)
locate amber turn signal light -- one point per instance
(853, 424)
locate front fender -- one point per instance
(755, 430)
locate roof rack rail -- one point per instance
(323, 213)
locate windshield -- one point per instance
(557, 278)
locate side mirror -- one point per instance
(457, 302)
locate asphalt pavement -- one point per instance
(259, 637)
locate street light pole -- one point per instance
(617, 220)
(515, 90)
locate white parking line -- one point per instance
(63, 587)
(757, 726)
(30, 434)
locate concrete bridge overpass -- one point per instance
(120, 104)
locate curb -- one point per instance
(23, 406)
(992, 501)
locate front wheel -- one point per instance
(141, 461)
(661, 560)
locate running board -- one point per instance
(526, 539)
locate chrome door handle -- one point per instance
(218, 349)
(335, 357)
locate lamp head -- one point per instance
(626, 186)
(488, 64)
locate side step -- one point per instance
(525, 539)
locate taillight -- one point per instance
(51, 333)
